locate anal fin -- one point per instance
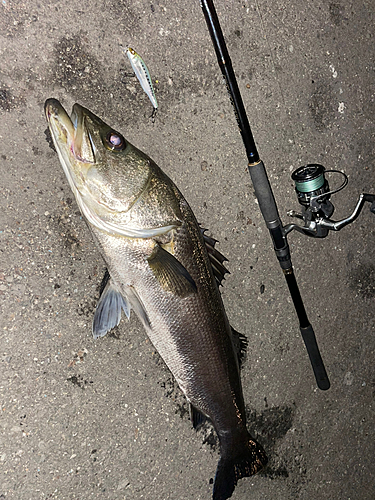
(197, 417)
(240, 344)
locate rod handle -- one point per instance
(317, 364)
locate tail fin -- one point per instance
(230, 470)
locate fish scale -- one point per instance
(159, 264)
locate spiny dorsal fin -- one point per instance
(170, 273)
(216, 258)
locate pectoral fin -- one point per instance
(170, 273)
(108, 310)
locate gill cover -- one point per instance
(107, 175)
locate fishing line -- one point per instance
(312, 189)
(263, 192)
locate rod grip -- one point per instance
(312, 348)
(263, 192)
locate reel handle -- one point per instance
(317, 364)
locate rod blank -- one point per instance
(264, 192)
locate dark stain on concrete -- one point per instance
(210, 437)
(86, 308)
(271, 424)
(115, 333)
(48, 138)
(172, 391)
(321, 105)
(79, 381)
(75, 68)
(337, 13)
(268, 427)
(64, 228)
(8, 101)
(36, 151)
(362, 280)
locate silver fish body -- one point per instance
(163, 267)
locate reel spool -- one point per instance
(310, 182)
(312, 188)
(314, 194)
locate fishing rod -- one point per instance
(312, 190)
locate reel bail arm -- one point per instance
(264, 192)
(313, 194)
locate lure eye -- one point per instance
(115, 141)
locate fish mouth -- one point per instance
(74, 143)
(70, 133)
(75, 149)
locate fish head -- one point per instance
(105, 172)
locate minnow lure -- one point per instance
(143, 75)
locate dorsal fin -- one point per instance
(216, 258)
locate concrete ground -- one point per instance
(93, 420)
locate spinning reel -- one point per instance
(314, 195)
(312, 189)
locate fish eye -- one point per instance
(115, 141)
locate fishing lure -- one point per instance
(143, 75)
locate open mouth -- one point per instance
(58, 120)
(76, 151)
(70, 132)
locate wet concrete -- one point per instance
(83, 419)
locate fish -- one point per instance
(142, 73)
(163, 266)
